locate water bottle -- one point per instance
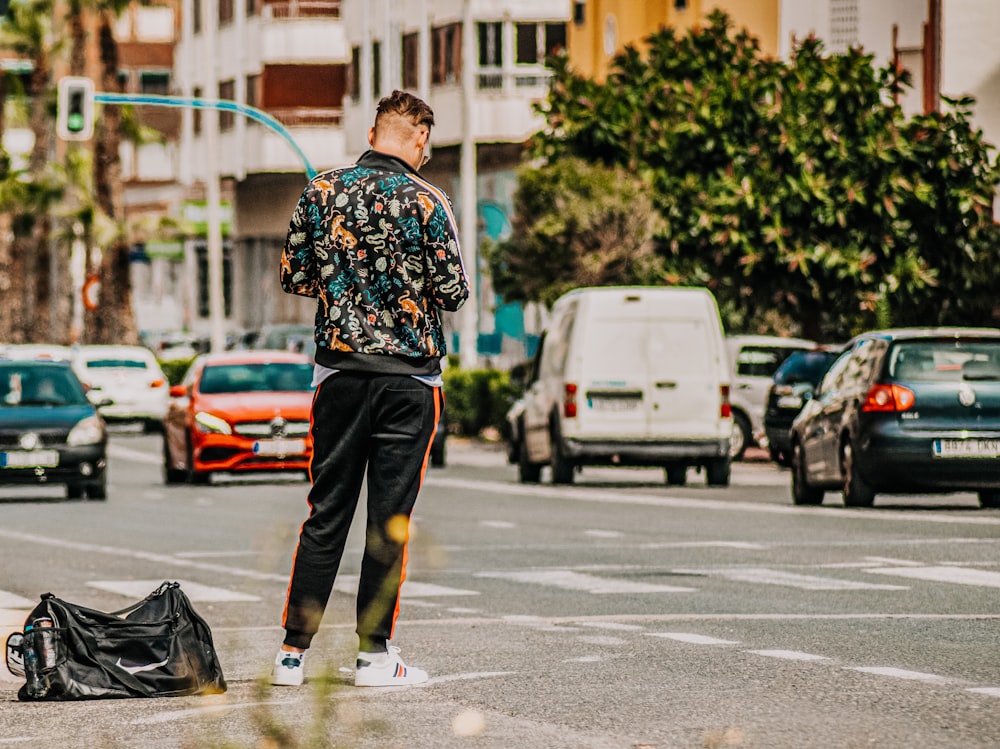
(46, 649)
(36, 685)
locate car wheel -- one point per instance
(171, 475)
(803, 493)
(98, 490)
(857, 493)
(74, 491)
(989, 498)
(527, 472)
(676, 475)
(741, 438)
(717, 472)
(562, 469)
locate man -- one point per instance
(377, 246)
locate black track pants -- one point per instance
(384, 424)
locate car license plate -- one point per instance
(279, 447)
(29, 459)
(971, 448)
(614, 404)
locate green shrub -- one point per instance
(477, 398)
(175, 369)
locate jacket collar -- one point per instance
(377, 160)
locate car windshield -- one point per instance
(804, 366)
(33, 385)
(272, 376)
(952, 360)
(760, 361)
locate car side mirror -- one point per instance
(178, 391)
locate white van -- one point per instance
(627, 375)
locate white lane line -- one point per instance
(596, 533)
(586, 659)
(745, 545)
(582, 494)
(466, 676)
(138, 589)
(613, 625)
(13, 601)
(216, 554)
(894, 562)
(693, 639)
(899, 673)
(194, 712)
(568, 580)
(988, 691)
(765, 576)
(597, 640)
(958, 575)
(501, 524)
(411, 589)
(790, 655)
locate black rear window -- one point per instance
(31, 384)
(242, 378)
(761, 361)
(949, 360)
(805, 366)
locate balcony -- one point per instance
(301, 9)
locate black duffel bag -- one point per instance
(158, 647)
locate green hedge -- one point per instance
(478, 398)
(175, 369)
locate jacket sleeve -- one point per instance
(298, 274)
(449, 285)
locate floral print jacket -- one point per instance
(377, 246)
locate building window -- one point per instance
(196, 93)
(680, 4)
(251, 8)
(490, 55)
(196, 15)
(225, 12)
(354, 74)
(376, 68)
(154, 83)
(201, 252)
(446, 54)
(411, 61)
(123, 78)
(538, 41)
(579, 12)
(253, 91)
(227, 91)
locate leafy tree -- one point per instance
(797, 188)
(575, 224)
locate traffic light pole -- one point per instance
(221, 105)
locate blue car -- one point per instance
(50, 433)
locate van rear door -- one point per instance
(614, 386)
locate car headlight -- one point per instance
(211, 423)
(87, 431)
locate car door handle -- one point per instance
(666, 385)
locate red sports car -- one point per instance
(237, 412)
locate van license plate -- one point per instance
(279, 448)
(29, 459)
(614, 404)
(967, 448)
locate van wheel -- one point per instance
(741, 438)
(857, 493)
(717, 472)
(677, 475)
(562, 468)
(527, 472)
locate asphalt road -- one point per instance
(618, 612)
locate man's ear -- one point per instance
(371, 136)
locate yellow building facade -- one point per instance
(601, 28)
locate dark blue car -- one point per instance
(50, 433)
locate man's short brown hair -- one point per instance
(407, 106)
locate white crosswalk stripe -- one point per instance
(957, 575)
(568, 580)
(765, 576)
(138, 589)
(14, 601)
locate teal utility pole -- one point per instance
(220, 104)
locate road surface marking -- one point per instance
(613, 625)
(706, 545)
(958, 575)
(693, 639)
(136, 456)
(603, 534)
(988, 691)
(899, 673)
(597, 640)
(582, 494)
(463, 677)
(568, 580)
(14, 601)
(894, 562)
(791, 655)
(194, 712)
(765, 576)
(586, 659)
(195, 591)
(501, 524)
(411, 589)
(216, 554)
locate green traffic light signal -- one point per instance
(75, 119)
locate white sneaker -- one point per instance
(288, 670)
(386, 670)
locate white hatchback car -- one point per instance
(130, 377)
(754, 360)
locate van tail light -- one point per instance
(157, 383)
(725, 408)
(888, 399)
(569, 400)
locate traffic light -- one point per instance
(75, 117)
